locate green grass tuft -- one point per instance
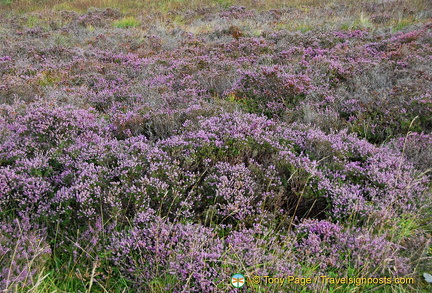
(127, 22)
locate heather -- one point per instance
(166, 146)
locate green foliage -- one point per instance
(32, 21)
(223, 3)
(127, 22)
(49, 78)
(402, 23)
(159, 285)
(407, 225)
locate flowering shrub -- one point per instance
(340, 249)
(24, 252)
(187, 253)
(416, 147)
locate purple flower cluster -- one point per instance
(24, 252)
(354, 248)
(216, 171)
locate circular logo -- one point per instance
(238, 280)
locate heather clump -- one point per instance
(188, 257)
(416, 148)
(314, 242)
(342, 249)
(358, 181)
(278, 88)
(183, 255)
(222, 173)
(24, 252)
(362, 79)
(100, 167)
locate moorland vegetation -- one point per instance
(164, 146)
